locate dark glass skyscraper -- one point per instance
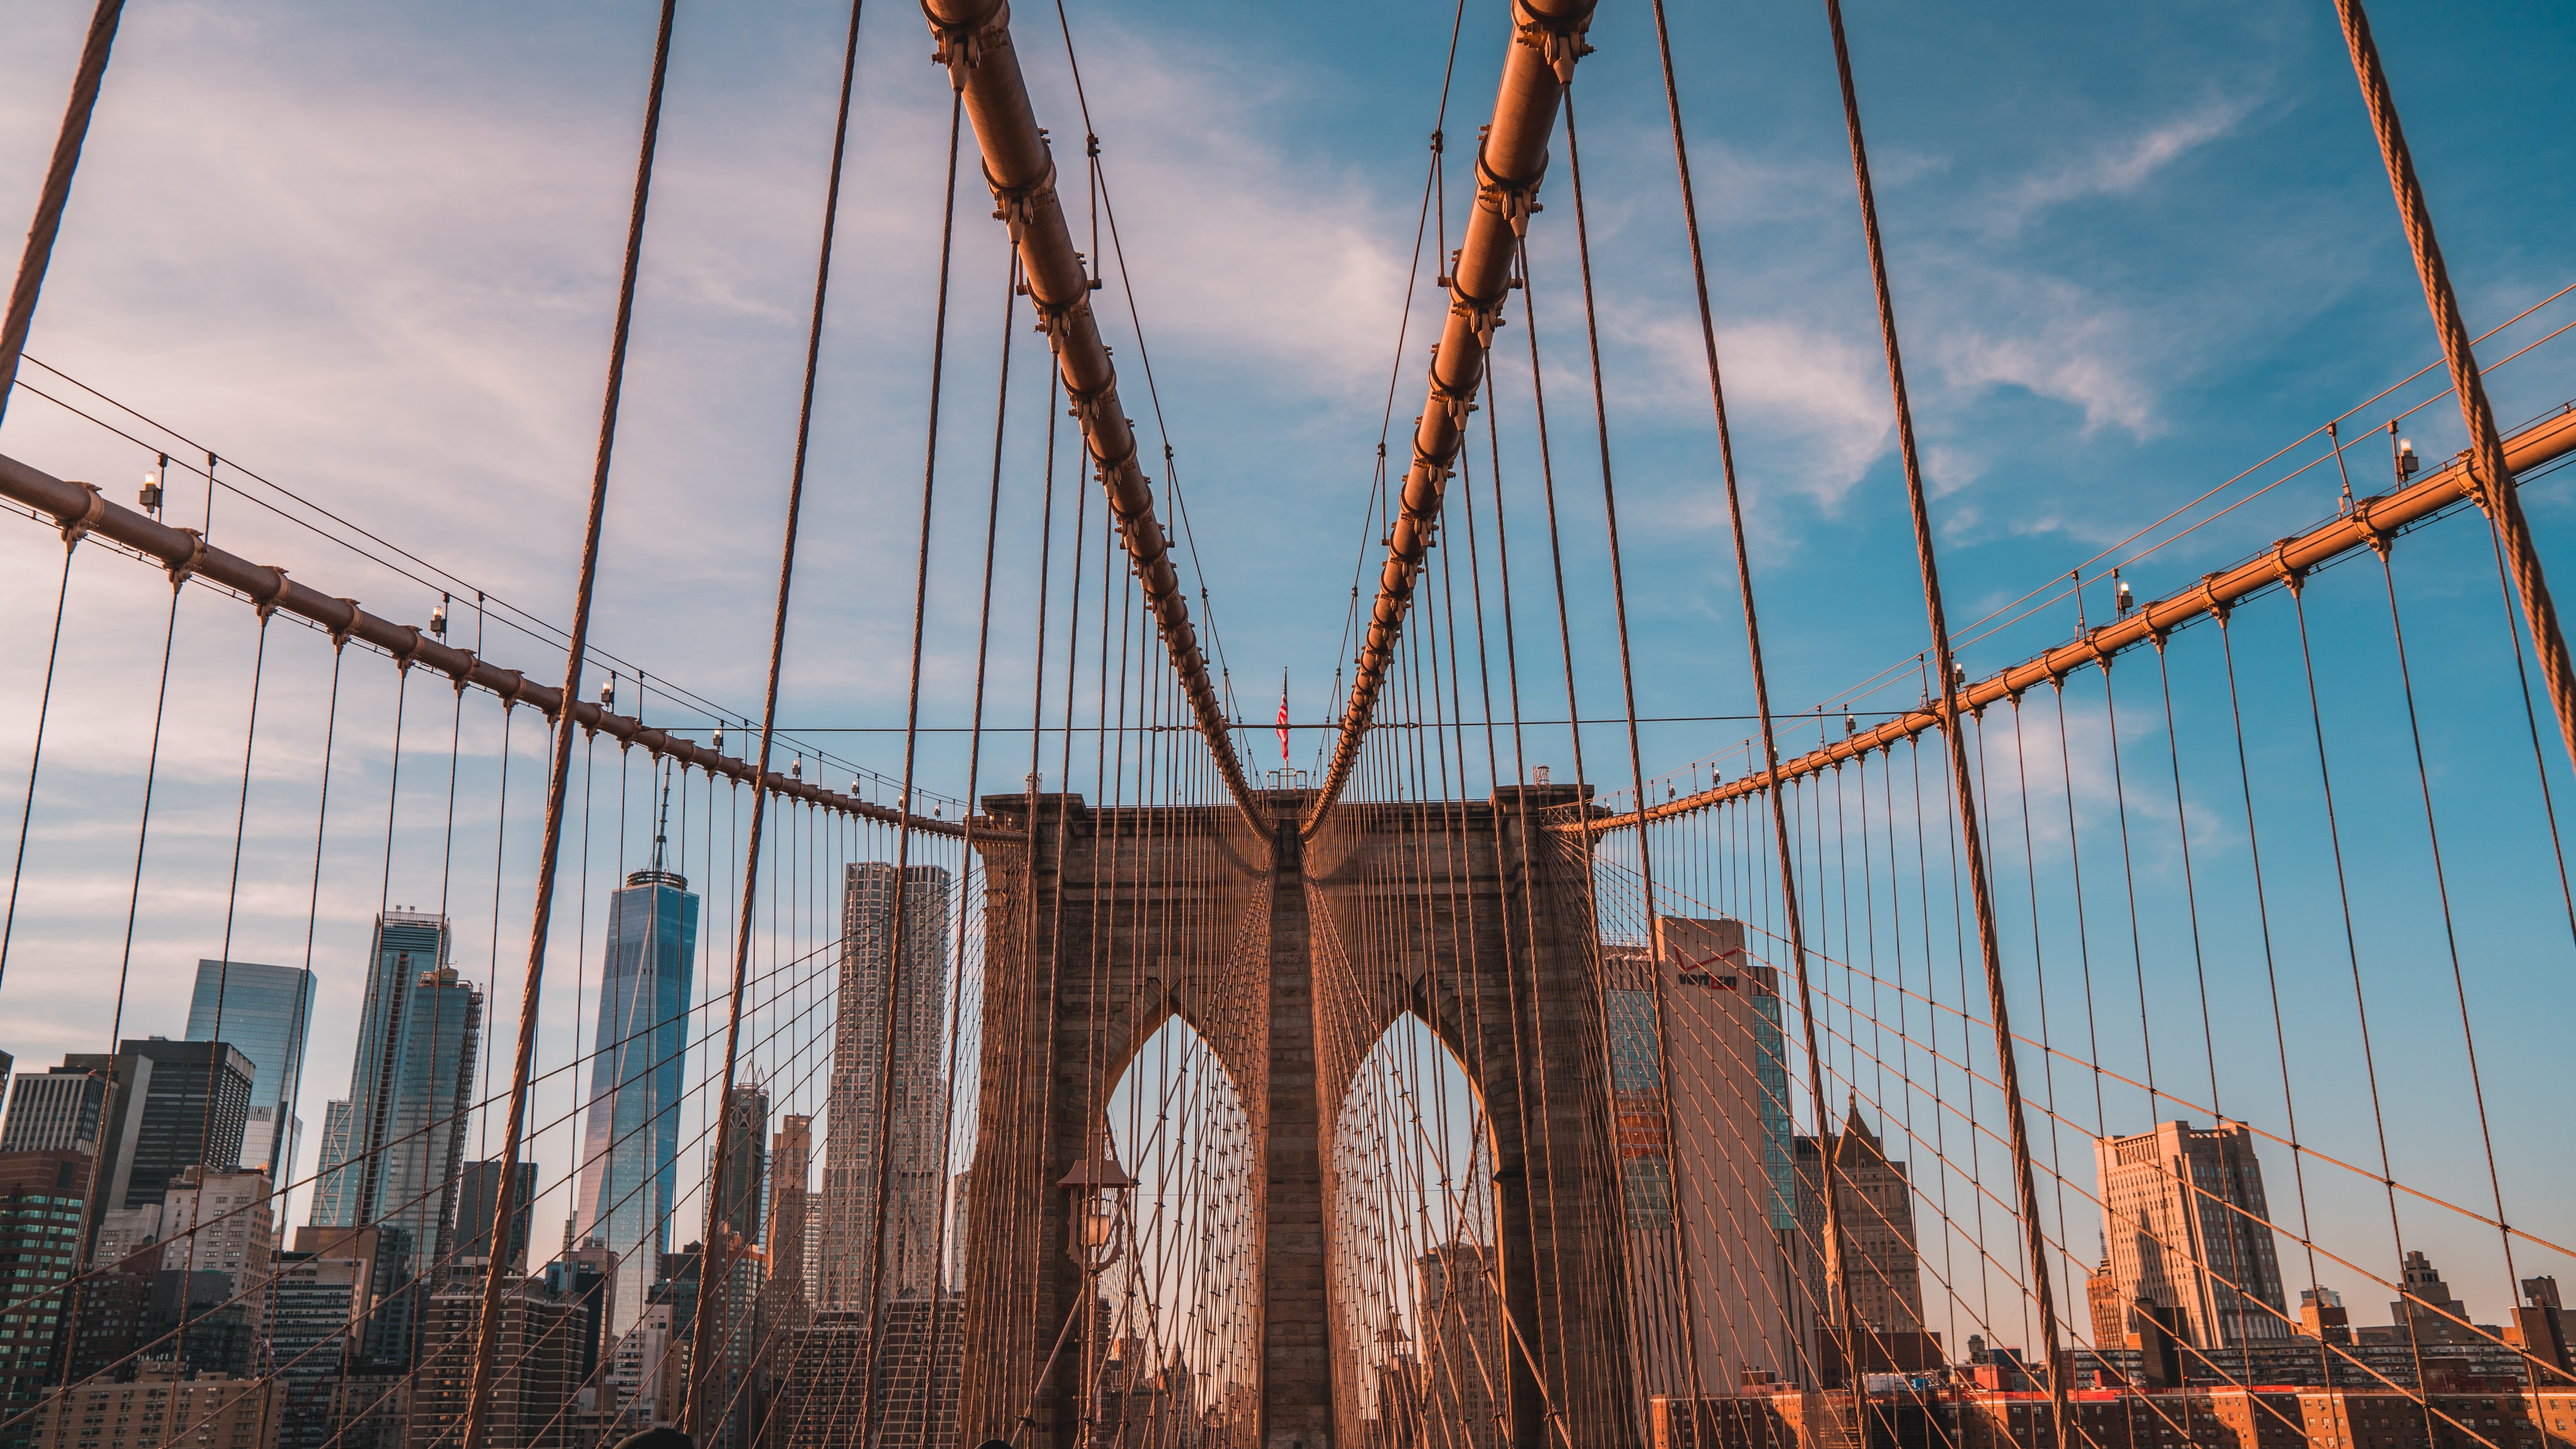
(265, 1011)
(477, 1202)
(159, 1120)
(630, 1145)
(396, 1162)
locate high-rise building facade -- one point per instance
(2182, 1213)
(630, 1144)
(159, 1121)
(219, 1222)
(1466, 1399)
(398, 1161)
(791, 1166)
(55, 1111)
(318, 1306)
(1880, 1265)
(265, 1011)
(533, 1379)
(41, 1197)
(335, 1189)
(478, 1198)
(1723, 1161)
(743, 1182)
(888, 1049)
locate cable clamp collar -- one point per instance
(76, 529)
(340, 632)
(463, 674)
(181, 573)
(276, 596)
(1559, 38)
(1483, 315)
(964, 44)
(2218, 608)
(1056, 319)
(2378, 538)
(1014, 205)
(405, 656)
(1511, 198)
(1458, 402)
(2480, 491)
(2292, 578)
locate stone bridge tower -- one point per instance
(1290, 959)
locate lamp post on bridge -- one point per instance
(1096, 1193)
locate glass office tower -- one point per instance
(630, 1144)
(392, 1156)
(264, 1011)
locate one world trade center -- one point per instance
(630, 1145)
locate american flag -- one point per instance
(1283, 724)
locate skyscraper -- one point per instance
(1463, 1346)
(791, 1164)
(743, 1183)
(397, 1161)
(55, 1111)
(1875, 1202)
(335, 1191)
(2182, 1211)
(478, 1200)
(1729, 1139)
(630, 1145)
(266, 1012)
(890, 1037)
(40, 1226)
(159, 1121)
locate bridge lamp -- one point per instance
(1096, 1193)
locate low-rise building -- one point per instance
(161, 1407)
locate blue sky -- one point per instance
(371, 253)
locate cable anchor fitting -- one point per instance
(1557, 38)
(1014, 205)
(1511, 198)
(2218, 608)
(76, 529)
(341, 633)
(2292, 578)
(276, 596)
(963, 46)
(182, 572)
(2379, 539)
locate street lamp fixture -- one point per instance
(1096, 1192)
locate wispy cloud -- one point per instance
(2121, 166)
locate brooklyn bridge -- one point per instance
(2118, 997)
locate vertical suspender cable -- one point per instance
(57, 192)
(36, 759)
(2491, 479)
(704, 1354)
(1980, 886)
(889, 1038)
(1793, 917)
(1636, 773)
(487, 1337)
